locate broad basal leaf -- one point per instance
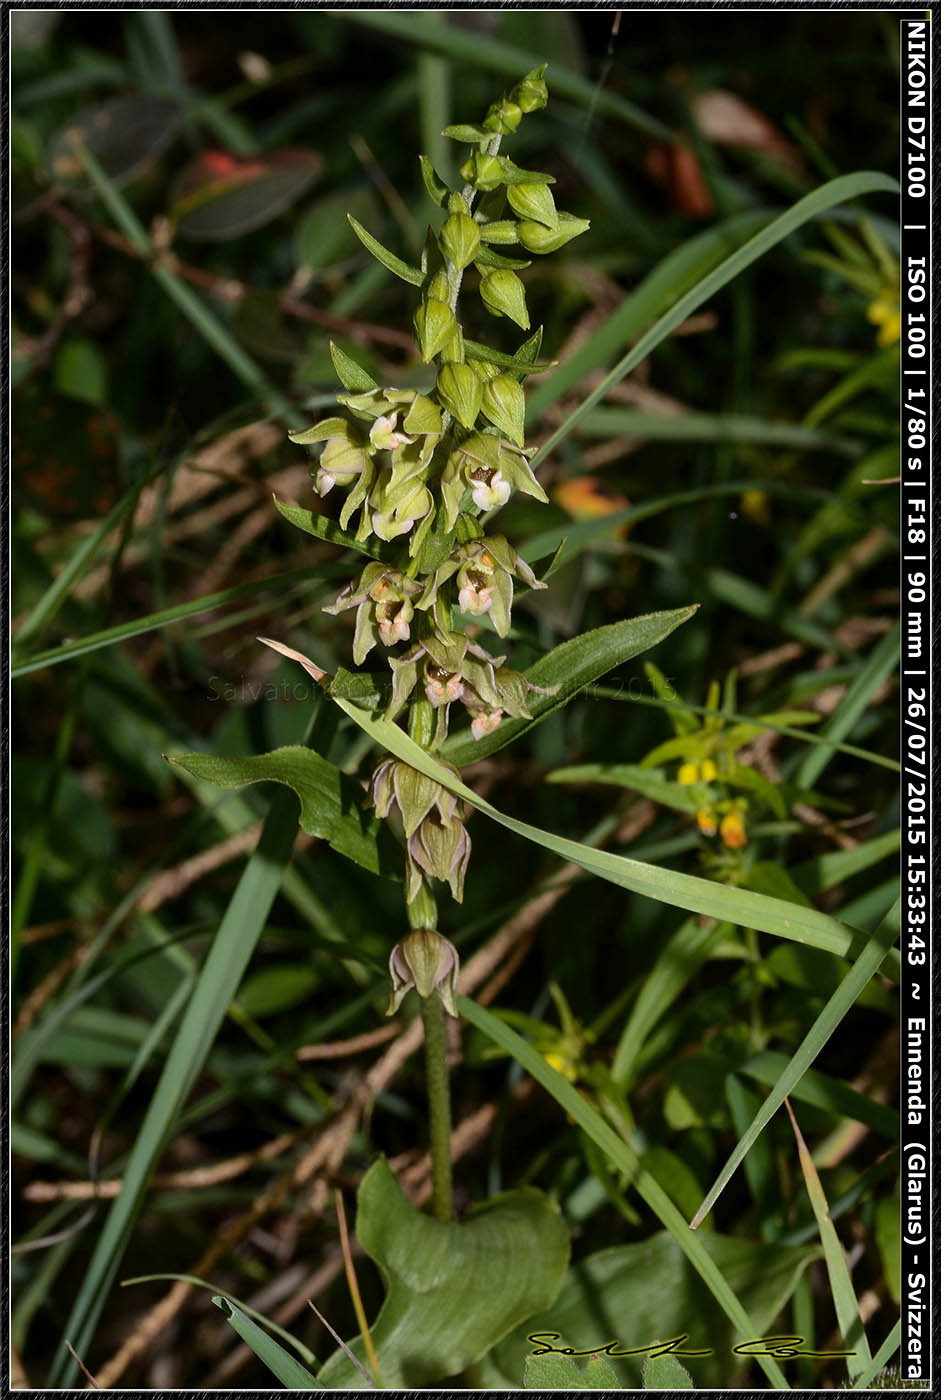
(638, 1294)
(451, 1290)
(331, 803)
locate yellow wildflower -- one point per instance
(708, 771)
(885, 313)
(688, 774)
(732, 831)
(706, 821)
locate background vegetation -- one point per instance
(173, 300)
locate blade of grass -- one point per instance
(124, 631)
(482, 51)
(434, 88)
(882, 1358)
(878, 667)
(576, 536)
(711, 427)
(675, 274)
(835, 192)
(303, 1352)
(678, 961)
(289, 1371)
(54, 596)
(842, 1000)
(625, 1160)
(841, 1285)
(745, 907)
(215, 988)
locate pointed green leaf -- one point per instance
(692, 892)
(331, 803)
(520, 365)
(351, 375)
(571, 666)
(326, 529)
(452, 1290)
(287, 1368)
(382, 254)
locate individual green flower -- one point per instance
(440, 851)
(531, 92)
(398, 784)
(537, 237)
(485, 569)
(427, 962)
(384, 608)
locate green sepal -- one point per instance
(459, 239)
(435, 324)
(320, 432)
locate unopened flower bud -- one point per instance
(732, 831)
(503, 117)
(439, 850)
(688, 774)
(504, 294)
(531, 92)
(708, 771)
(461, 392)
(706, 821)
(459, 239)
(423, 959)
(533, 202)
(484, 723)
(504, 404)
(434, 326)
(536, 237)
(483, 171)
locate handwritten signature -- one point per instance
(782, 1348)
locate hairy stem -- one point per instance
(439, 1106)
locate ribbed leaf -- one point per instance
(331, 803)
(453, 1289)
(326, 529)
(571, 666)
(744, 907)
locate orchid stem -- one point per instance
(439, 1106)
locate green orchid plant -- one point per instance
(422, 473)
